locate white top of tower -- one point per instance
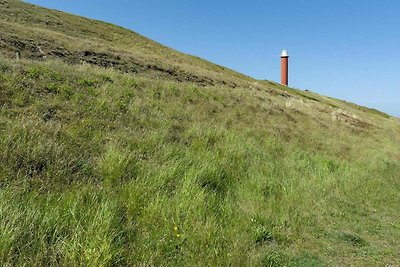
(285, 53)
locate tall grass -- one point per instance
(100, 168)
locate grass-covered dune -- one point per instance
(103, 168)
(186, 164)
(38, 33)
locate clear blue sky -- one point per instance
(349, 49)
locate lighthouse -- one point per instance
(285, 68)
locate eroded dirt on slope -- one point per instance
(48, 49)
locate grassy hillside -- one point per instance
(39, 33)
(183, 164)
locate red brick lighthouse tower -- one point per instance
(285, 68)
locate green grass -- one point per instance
(39, 33)
(102, 168)
(163, 159)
